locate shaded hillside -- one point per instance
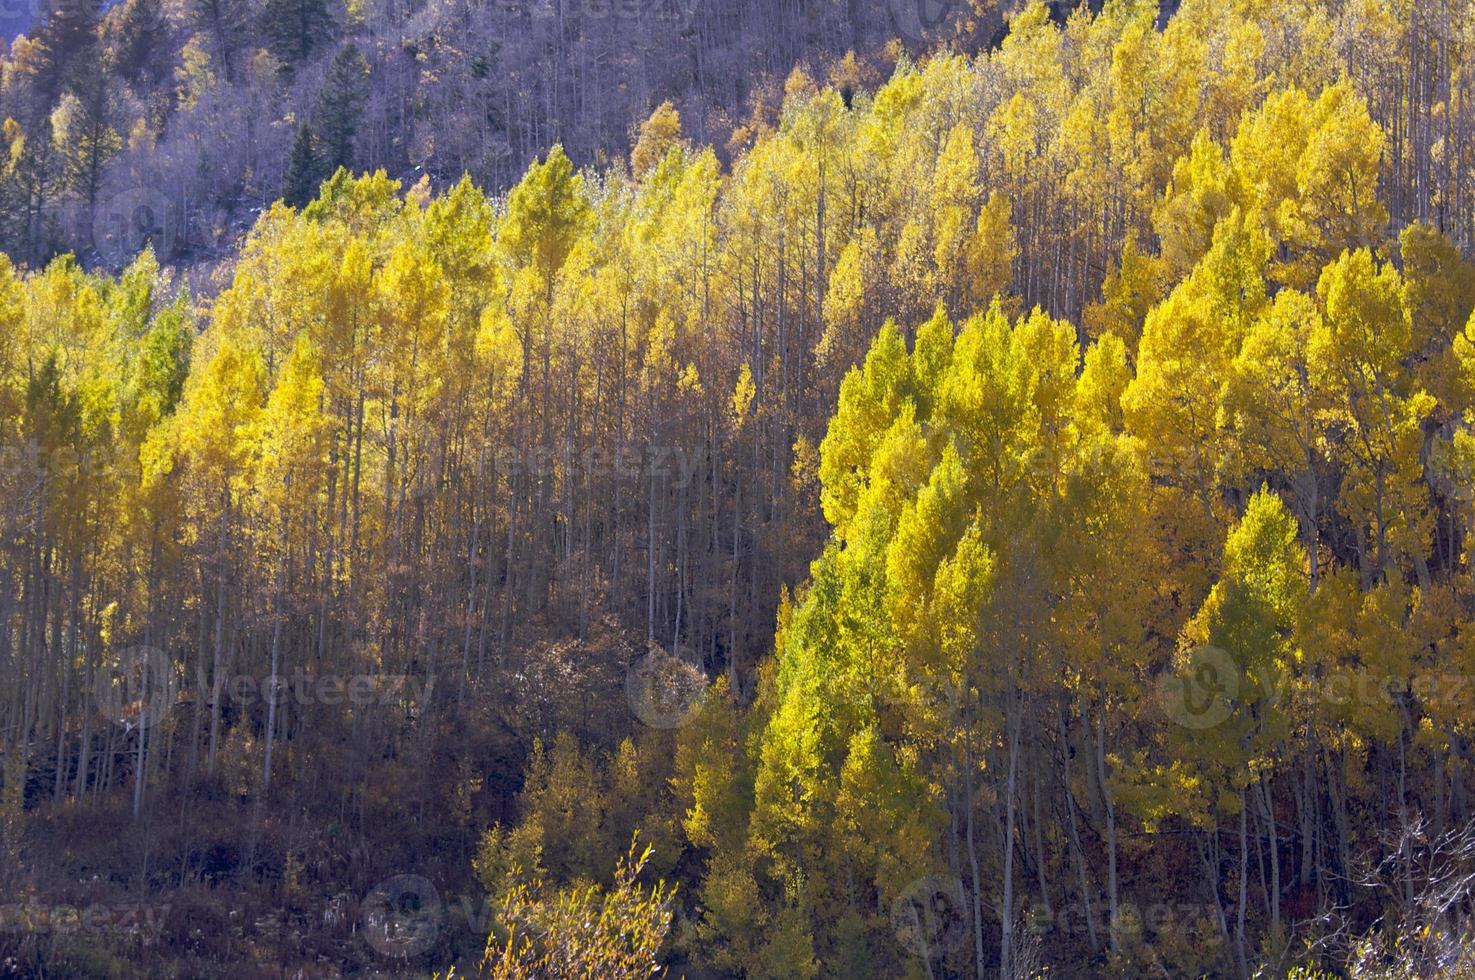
(1012, 512)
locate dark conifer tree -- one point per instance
(226, 25)
(137, 40)
(303, 172)
(294, 29)
(340, 105)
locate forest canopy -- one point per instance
(1010, 516)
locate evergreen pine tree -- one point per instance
(340, 105)
(138, 40)
(303, 175)
(295, 28)
(67, 29)
(225, 25)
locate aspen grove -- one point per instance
(1005, 513)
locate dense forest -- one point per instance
(178, 121)
(1008, 515)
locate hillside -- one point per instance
(1004, 512)
(178, 121)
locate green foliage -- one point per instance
(303, 169)
(501, 446)
(583, 931)
(340, 106)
